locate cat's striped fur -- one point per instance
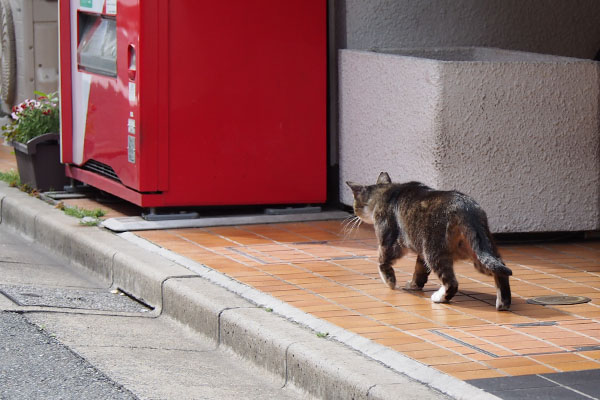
(440, 226)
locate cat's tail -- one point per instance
(480, 239)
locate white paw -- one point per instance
(439, 296)
(500, 306)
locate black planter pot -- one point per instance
(38, 162)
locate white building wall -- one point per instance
(388, 110)
(517, 131)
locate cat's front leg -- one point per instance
(387, 256)
(420, 275)
(389, 249)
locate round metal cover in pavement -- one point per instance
(558, 300)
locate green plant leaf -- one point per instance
(11, 177)
(78, 212)
(33, 118)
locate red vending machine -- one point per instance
(195, 102)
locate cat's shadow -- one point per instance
(473, 300)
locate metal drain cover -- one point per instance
(558, 300)
(85, 299)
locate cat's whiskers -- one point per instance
(356, 225)
(350, 225)
(347, 224)
(344, 227)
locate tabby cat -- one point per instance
(440, 226)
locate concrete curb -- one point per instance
(230, 313)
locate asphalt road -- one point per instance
(34, 365)
(66, 335)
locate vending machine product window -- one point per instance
(97, 47)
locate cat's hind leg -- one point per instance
(503, 297)
(420, 276)
(501, 273)
(445, 271)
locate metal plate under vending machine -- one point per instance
(195, 102)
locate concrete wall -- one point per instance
(388, 112)
(569, 28)
(36, 48)
(517, 131)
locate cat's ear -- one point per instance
(384, 179)
(356, 188)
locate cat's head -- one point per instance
(366, 197)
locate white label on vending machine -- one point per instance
(111, 7)
(132, 97)
(131, 149)
(131, 126)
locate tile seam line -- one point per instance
(279, 228)
(579, 244)
(570, 267)
(513, 329)
(516, 353)
(313, 225)
(382, 354)
(545, 247)
(287, 245)
(553, 276)
(466, 344)
(196, 244)
(283, 244)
